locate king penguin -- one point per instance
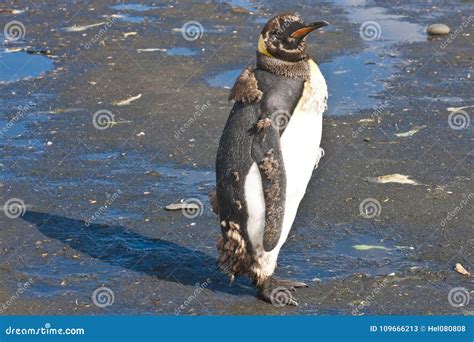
(267, 153)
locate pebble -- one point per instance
(438, 29)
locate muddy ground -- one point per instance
(161, 149)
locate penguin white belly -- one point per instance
(300, 148)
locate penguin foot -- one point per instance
(292, 285)
(277, 293)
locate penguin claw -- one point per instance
(293, 302)
(292, 285)
(321, 154)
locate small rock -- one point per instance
(155, 174)
(461, 270)
(367, 140)
(438, 29)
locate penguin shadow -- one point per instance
(119, 246)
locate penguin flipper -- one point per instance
(245, 88)
(266, 152)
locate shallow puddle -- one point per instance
(224, 79)
(15, 66)
(247, 4)
(181, 51)
(392, 28)
(354, 81)
(136, 7)
(131, 18)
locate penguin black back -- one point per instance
(241, 145)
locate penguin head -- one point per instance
(284, 37)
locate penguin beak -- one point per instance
(303, 31)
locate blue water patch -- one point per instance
(386, 27)
(131, 18)
(19, 65)
(249, 5)
(224, 79)
(136, 7)
(181, 51)
(11, 129)
(354, 81)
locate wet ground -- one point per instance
(95, 190)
